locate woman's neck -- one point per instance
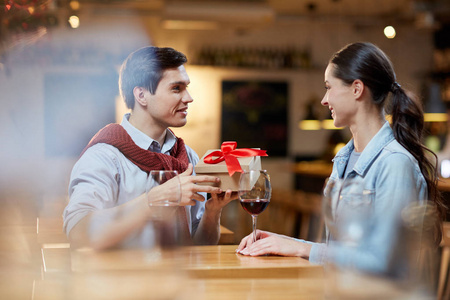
(364, 129)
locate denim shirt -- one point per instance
(392, 178)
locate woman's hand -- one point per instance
(271, 243)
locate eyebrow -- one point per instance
(180, 82)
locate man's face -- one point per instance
(168, 106)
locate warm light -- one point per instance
(189, 25)
(74, 5)
(435, 117)
(310, 125)
(427, 117)
(74, 21)
(338, 147)
(389, 32)
(317, 125)
(388, 118)
(329, 124)
(31, 10)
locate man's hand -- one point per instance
(190, 188)
(219, 201)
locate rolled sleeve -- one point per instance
(92, 186)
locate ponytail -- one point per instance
(407, 125)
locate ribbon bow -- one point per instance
(229, 153)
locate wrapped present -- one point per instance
(228, 163)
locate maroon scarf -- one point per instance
(115, 135)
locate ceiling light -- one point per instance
(389, 32)
(74, 21)
(74, 5)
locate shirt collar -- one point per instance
(143, 140)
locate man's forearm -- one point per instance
(106, 228)
(208, 231)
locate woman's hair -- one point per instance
(368, 63)
(145, 68)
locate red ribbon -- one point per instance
(229, 154)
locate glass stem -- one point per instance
(254, 227)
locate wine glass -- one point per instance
(163, 209)
(254, 193)
(347, 210)
(173, 192)
(330, 198)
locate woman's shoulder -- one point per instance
(396, 149)
(395, 156)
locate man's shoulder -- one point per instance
(101, 149)
(99, 154)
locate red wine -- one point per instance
(254, 206)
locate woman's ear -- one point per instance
(139, 95)
(358, 88)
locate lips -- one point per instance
(182, 110)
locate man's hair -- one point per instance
(144, 68)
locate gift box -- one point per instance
(227, 163)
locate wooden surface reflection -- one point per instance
(197, 272)
(136, 285)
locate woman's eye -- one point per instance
(176, 88)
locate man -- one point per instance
(108, 203)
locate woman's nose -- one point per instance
(324, 101)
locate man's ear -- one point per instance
(358, 88)
(139, 95)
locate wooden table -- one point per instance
(197, 272)
(197, 262)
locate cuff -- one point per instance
(318, 253)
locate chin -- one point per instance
(179, 124)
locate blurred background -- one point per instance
(256, 69)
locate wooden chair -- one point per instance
(53, 242)
(444, 279)
(289, 209)
(226, 236)
(310, 207)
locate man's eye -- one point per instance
(176, 88)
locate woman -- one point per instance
(389, 160)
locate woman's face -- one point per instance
(338, 98)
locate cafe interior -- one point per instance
(257, 78)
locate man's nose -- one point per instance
(187, 98)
